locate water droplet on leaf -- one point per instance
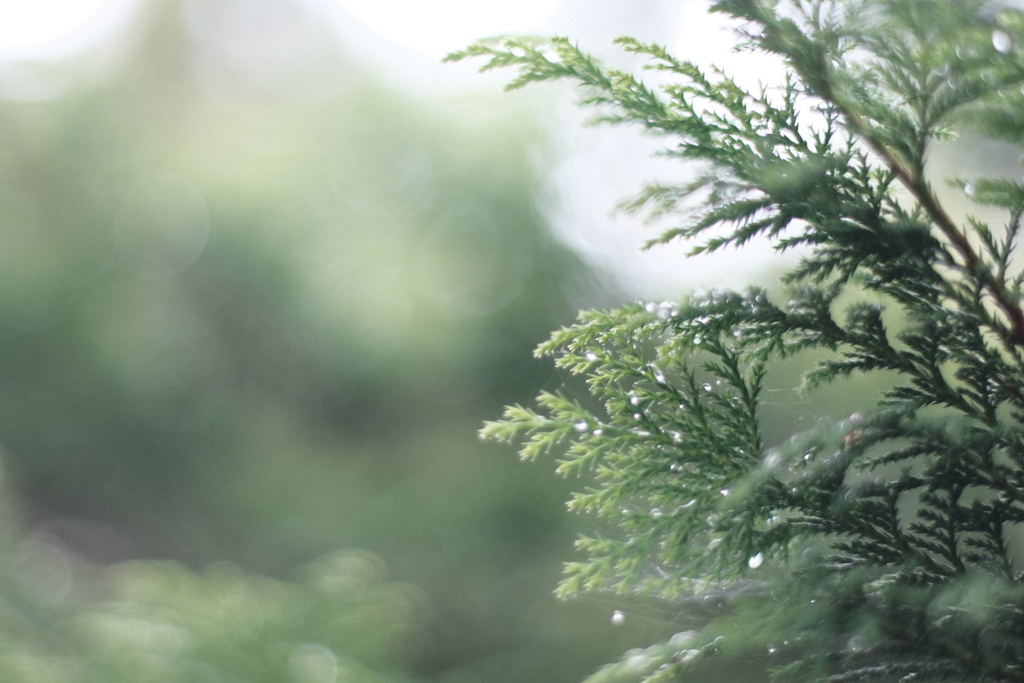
(618, 618)
(756, 561)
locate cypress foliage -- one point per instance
(887, 545)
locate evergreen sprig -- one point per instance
(886, 545)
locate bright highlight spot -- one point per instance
(46, 23)
(438, 27)
(618, 618)
(756, 561)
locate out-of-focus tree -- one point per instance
(253, 303)
(144, 620)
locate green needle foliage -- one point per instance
(887, 545)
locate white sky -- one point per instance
(436, 27)
(431, 28)
(50, 28)
(28, 24)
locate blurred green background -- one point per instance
(255, 302)
(250, 321)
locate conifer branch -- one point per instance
(882, 545)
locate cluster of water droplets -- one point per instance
(799, 307)
(664, 310)
(756, 301)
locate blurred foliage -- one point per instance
(253, 305)
(338, 620)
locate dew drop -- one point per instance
(1002, 42)
(706, 386)
(724, 492)
(618, 618)
(656, 513)
(638, 416)
(591, 356)
(651, 307)
(659, 377)
(969, 189)
(756, 561)
(634, 399)
(697, 339)
(598, 432)
(581, 427)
